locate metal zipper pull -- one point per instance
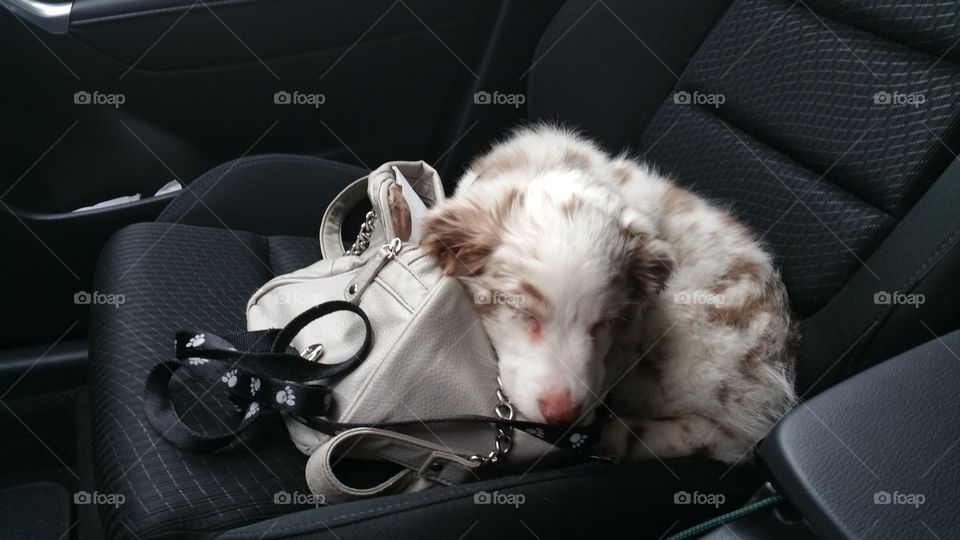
(366, 276)
(393, 248)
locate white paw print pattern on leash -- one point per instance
(197, 361)
(287, 396)
(536, 432)
(230, 378)
(254, 386)
(578, 439)
(197, 340)
(253, 409)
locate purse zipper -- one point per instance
(366, 277)
(394, 247)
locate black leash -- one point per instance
(260, 370)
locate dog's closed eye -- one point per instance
(533, 324)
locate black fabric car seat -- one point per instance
(814, 146)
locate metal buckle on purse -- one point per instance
(313, 352)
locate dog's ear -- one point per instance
(649, 267)
(461, 236)
(399, 212)
(650, 260)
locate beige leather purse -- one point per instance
(423, 393)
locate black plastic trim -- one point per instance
(43, 369)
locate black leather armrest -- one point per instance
(879, 454)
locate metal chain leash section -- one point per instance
(504, 440)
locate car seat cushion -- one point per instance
(175, 277)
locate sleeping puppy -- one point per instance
(598, 280)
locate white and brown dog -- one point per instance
(599, 279)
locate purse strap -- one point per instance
(261, 371)
(331, 226)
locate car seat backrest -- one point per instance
(826, 136)
(820, 123)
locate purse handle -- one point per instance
(421, 462)
(380, 223)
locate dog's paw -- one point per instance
(624, 439)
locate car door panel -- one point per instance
(138, 93)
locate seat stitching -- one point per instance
(879, 35)
(908, 284)
(821, 178)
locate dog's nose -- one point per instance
(557, 408)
